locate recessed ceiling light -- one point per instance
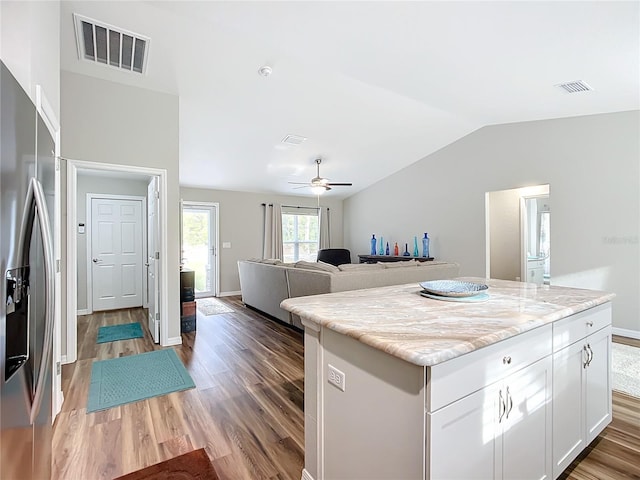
(265, 70)
(575, 86)
(293, 139)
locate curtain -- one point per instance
(325, 228)
(272, 242)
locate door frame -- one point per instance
(89, 233)
(216, 236)
(73, 167)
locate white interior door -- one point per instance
(153, 258)
(199, 245)
(116, 253)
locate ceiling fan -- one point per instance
(318, 184)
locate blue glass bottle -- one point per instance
(425, 246)
(387, 252)
(381, 251)
(416, 253)
(406, 250)
(373, 244)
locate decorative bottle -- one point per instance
(396, 250)
(406, 250)
(373, 244)
(425, 246)
(416, 252)
(387, 252)
(381, 251)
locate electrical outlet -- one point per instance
(336, 377)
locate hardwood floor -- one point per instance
(246, 409)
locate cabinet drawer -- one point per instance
(461, 376)
(578, 326)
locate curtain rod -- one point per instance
(291, 206)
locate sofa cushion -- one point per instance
(325, 267)
(271, 261)
(402, 264)
(351, 267)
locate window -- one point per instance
(300, 234)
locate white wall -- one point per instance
(108, 122)
(30, 46)
(592, 168)
(93, 184)
(241, 223)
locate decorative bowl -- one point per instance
(453, 288)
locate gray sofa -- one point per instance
(265, 283)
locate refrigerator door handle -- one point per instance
(36, 203)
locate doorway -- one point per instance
(518, 234)
(199, 246)
(76, 241)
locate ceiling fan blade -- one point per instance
(303, 186)
(333, 184)
(299, 183)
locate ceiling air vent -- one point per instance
(575, 87)
(293, 139)
(102, 43)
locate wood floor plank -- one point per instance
(246, 410)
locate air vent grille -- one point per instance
(575, 87)
(293, 139)
(101, 43)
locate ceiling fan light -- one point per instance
(318, 190)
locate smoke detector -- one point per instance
(265, 71)
(101, 43)
(575, 86)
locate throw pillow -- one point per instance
(351, 267)
(402, 264)
(322, 266)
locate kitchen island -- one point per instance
(398, 386)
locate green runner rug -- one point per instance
(136, 377)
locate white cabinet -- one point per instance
(535, 271)
(581, 383)
(499, 432)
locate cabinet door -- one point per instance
(568, 405)
(526, 428)
(462, 438)
(598, 386)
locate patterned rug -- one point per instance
(626, 369)
(111, 333)
(212, 306)
(136, 377)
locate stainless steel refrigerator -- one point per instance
(27, 171)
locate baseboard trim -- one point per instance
(624, 332)
(306, 475)
(171, 341)
(83, 311)
(230, 294)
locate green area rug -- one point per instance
(136, 377)
(125, 331)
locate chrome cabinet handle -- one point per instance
(510, 402)
(96, 260)
(589, 323)
(36, 202)
(502, 407)
(590, 355)
(506, 360)
(585, 362)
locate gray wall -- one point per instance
(93, 184)
(241, 223)
(107, 122)
(592, 168)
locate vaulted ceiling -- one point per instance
(373, 86)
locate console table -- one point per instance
(390, 258)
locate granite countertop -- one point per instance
(425, 332)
